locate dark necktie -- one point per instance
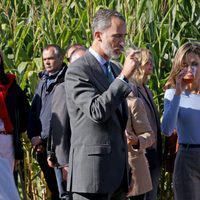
(111, 77)
(109, 73)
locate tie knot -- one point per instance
(107, 64)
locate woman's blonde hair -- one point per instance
(139, 75)
(183, 51)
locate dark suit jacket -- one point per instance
(98, 154)
(18, 109)
(153, 117)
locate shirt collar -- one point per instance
(99, 58)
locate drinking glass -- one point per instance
(188, 78)
(129, 45)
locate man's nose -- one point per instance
(47, 61)
(122, 43)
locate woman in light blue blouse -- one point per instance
(182, 111)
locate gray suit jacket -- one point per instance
(60, 126)
(98, 154)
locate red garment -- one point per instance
(4, 115)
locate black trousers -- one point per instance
(49, 175)
(139, 197)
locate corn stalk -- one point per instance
(26, 26)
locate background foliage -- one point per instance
(26, 26)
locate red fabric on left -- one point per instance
(4, 115)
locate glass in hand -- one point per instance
(129, 45)
(190, 76)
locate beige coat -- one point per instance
(138, 126)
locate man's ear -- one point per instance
(98, 35)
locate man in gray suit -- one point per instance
(98, 168)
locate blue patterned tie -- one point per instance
(111, 77)
(109, 73)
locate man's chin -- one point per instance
(115, 56)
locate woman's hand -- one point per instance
(132, 140)
(180, 84)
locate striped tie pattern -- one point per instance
(109, 73)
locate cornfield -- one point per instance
(26, 26)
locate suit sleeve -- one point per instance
(84, 92)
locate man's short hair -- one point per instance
(74, 47)
(102, 19)
(57, 48)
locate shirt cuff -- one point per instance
(123, 78)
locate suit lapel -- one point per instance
(151, 104)
(157, 117)
(148, 100)
(100, 76)
(97, 71)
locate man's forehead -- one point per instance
(47, 52)
(115, 19)
(118, 26)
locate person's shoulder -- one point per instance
(134, 89)
(78, 63)
(59, 87)
(15, 87)
(169, 93)
(134, 102)
(14, 84)
(59, 93)
(81, 65)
